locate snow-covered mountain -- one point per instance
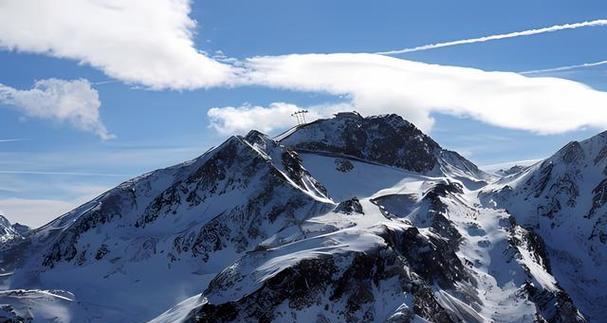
(10, 231)
(388, 140)
(164, 235)
(563, 200)
(344, 219)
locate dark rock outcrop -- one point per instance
(350, 206)
(386, 139)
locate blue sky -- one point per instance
(49, 165)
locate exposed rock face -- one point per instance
(553, 304)
(431, 258)
(343, 165)
(388, 140)
(554, 307)
(345, 286)
(437, 211)
(350, 207)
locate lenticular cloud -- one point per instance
(376, 84)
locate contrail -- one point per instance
(104, 82)
(564, 68)
(593, 23)
(27, 172)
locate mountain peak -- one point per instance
(386, 139)
(8, 231)
(255, 136)
(348, 114)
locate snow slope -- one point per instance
(377, 256)
(38, 306)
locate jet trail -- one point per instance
(592, 23)
(564, 68)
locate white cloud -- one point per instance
(75, 102)
(229, 120)
(380, 84)
(529, 32)
(150, 43)
(136, 41)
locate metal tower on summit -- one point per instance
(300, 115)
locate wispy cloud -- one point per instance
(74, 102)
(529, 32)
(11, 140)
(105, 82)
(505, 165)
(28, 172)
(564, 68)
(37, 212)
(37, 187)
(113, 164)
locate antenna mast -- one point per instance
(301, 116)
